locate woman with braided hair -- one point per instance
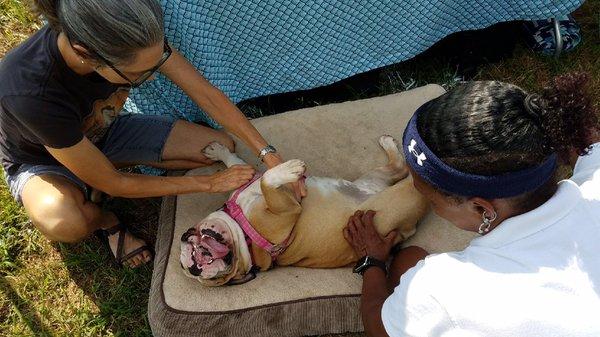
(486, 155)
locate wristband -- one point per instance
(265, 151)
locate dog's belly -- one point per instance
(318, 238)
(318, 234)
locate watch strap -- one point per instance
(375, 263)
(368, 262)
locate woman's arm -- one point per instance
(212, 100)
(91, 166)
(220, 108)
(374, 293)
(364, 239)
(402, 261)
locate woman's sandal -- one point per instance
(118, 258)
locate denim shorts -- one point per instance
(131, 139)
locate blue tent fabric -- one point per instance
(253, 48)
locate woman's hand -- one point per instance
(230, 179)
(219, 106)
(364, 239)
(273, 159)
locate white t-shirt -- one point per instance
(537, 274)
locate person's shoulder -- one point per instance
(25, 69)
(436, 263)
(36, 108)
(426, 274)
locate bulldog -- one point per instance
(273, 228)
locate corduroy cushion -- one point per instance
(337, 140)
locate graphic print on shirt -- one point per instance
(104, 112)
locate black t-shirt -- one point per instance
(45, 103)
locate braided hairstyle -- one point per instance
(491, 128)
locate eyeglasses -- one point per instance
(146, 74)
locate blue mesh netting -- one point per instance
(257, 47)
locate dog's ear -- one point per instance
(191, 231)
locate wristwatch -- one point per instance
(266, 150)
(367, 262)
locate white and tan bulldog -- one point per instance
(215, 251)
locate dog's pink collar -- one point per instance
(235, 211)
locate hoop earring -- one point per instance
(487, 222)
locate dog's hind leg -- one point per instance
(380, 178)
(398, 204)
(218, 152)
(398, 207)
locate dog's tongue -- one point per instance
(216, 249)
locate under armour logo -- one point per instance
(420, 156)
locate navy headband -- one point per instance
(437, 173)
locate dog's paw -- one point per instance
(285, 173)
(216, 151)
(388, 143)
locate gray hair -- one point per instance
(113, 29)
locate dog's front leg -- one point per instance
(278, 198)
(276, 218)
(218, 152)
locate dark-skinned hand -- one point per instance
(364, 238)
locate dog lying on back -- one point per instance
(309, 234)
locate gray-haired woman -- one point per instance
(61, 132)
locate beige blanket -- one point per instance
(338, 140)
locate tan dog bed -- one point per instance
(337, 140)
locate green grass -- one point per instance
(16, 23)
(51, 289)
(58, 290)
